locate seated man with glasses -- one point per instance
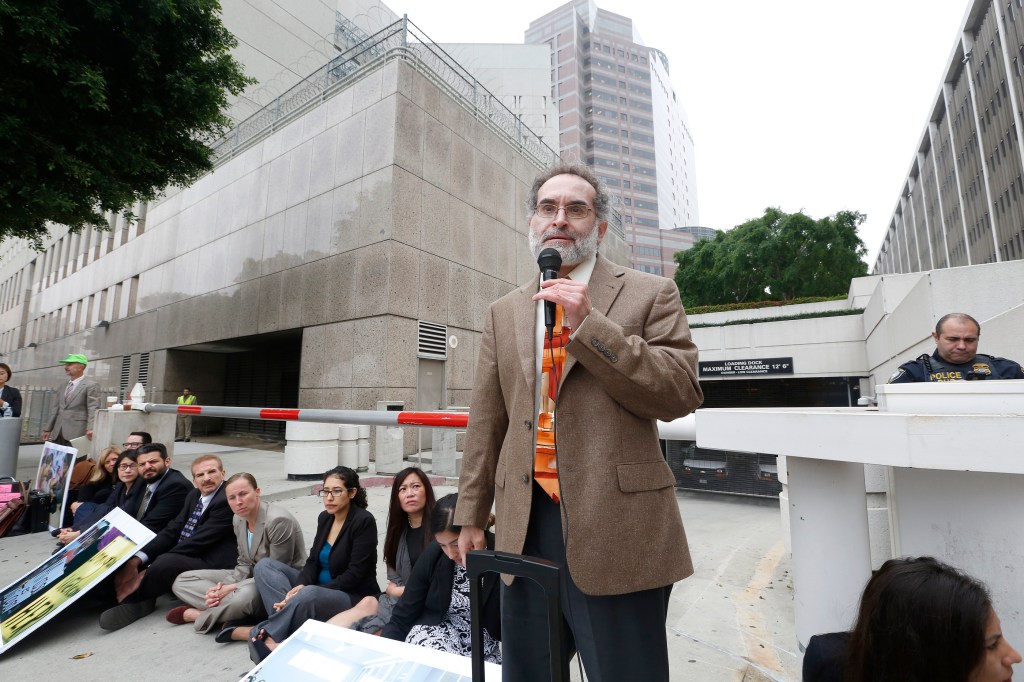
(136, 439)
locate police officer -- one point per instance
(956, 356)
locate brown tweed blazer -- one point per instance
(630, 363)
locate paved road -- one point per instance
(731, 622)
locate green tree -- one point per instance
(778, 256)
(104, 103)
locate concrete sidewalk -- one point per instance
(732, 621)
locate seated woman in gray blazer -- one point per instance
(224, 596)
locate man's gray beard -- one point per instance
(573, 254)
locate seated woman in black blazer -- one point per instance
(127, 472)
(340, 571)
(434, 609)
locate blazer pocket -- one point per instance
(499, 474)
(636, 477)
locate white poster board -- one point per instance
(53, 476)
(321, 652)
(55, 584)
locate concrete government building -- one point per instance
(344, 251)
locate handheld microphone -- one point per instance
(550, 262)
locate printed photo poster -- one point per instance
(39, 595)
(318, 651)
(52, 478)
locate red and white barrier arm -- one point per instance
(679, 429)
(437, 420)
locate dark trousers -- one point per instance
(618, 637)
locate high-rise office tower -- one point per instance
(618, 112)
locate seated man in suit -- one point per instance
(201, 536)
(164, 491)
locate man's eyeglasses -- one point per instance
(131, 446)
(127, 467)
(572, 211)
(332, 492)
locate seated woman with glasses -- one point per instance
(127, 473)
(340, 570)
(434, 611)
(920, 620)
(407, 535)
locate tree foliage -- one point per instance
(778, 256)
(104, 103)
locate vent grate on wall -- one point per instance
(432, 341)
(126, 368)
(144, 370)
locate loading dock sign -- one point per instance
(730, 368)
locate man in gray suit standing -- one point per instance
(562, 437)
(75, 411)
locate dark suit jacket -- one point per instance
(428, 595)
(166, 503)
(13, 396)
(213, 538)
(71, 418)
(823, 659)
(630, 363)
(353, 558)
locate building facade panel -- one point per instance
(975, 207)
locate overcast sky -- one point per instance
(813, 105)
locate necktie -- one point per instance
(545, 463)
(193, 519)
(67, 391)
(146, 497)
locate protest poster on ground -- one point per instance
(55, 465)
(58, 582)
(318, 651)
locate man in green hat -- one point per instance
(75, 412)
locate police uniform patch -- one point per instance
(981, 369)
(896, 375)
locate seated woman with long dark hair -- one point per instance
(408, 534)
(920, 620)
(434, 610)
(340, 570)
(122, 496)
